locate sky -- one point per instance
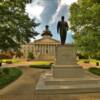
(49, 12)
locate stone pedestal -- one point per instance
(67, 71)
(65, 55)
(66, 64)
(66, 76)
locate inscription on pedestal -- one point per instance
(65, 55)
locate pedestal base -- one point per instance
(68, 71)
(50, 85)
(66, 76)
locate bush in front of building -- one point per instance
(3, 56)
(87, 61)
(30, 56)
(8, 75)
(19, 54)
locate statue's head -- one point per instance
(62, 18)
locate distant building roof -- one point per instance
(47, 32)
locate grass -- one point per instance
(10, 60)
(91, 61)
(95, 70)
(41, 64)
(8, 75)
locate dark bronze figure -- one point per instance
(62, 28)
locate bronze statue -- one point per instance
(62, 28)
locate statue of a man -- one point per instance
(62, 28)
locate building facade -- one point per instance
(42, 49)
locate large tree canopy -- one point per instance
(15, 26)
(85, 22)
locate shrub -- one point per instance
(8, 62)
(30, 55)
(86, 61)
(82, 56)
(19, 54)
(97, 63)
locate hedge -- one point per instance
(41, 66)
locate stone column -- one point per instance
(41, 49)
(54, 50)
(37, 48)
(34, 48)
(51, 49)
(45, 49)
(48, 48)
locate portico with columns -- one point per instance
(42, 49)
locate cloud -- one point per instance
(61, 4)
(67, 2)
(35, 10)
(55, 16)
(49, 12)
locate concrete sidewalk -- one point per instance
(23, 64)
(24, 89)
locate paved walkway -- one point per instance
(24, 89)
(86, 66)
(21, 64)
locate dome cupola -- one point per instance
(47, 32)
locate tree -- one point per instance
(85, 22)
(15, 26)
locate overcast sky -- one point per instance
(48, 12)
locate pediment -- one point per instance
(47, 40)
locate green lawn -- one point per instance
(8, 75)
(14, 60)
(95, 70)
(41, 62)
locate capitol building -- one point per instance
(42, 49)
